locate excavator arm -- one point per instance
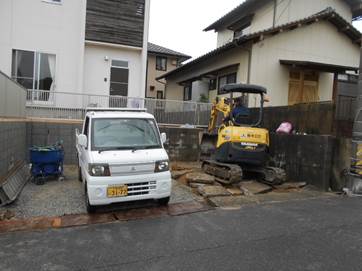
(219, 105)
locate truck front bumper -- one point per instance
(140, 187)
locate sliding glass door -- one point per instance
(35, 71)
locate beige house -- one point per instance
(296, 49)
(160, 61)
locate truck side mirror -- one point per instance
(163, 138)
(82, 140)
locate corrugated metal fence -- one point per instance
(12, 98)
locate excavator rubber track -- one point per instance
(224, 173)
(232, 173)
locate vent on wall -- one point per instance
(152, 88)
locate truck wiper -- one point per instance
(113, 149)
(145, 147)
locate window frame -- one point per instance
(160, 68)
(54, 2)
(227, 76)
(125, 67)
(35, 93)
(189, 88)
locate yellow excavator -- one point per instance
(242, 147)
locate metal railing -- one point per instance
(66, 105)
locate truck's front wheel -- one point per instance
(90, 208)
(163, 201)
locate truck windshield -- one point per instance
(124, 134)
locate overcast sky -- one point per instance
(178, 24)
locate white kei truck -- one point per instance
(122, 158)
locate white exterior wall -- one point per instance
(35, 25)
(224, 36)
(288, 11)
(319, 42)
(96, 69)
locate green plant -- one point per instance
(203, 98)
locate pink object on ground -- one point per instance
(285, 128)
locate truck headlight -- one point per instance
(161, 166)
(99, 170)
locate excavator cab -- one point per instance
(242, 146)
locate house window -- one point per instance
(36, 71)
(59, 2)
(212, 84)
(226, 79)
(187, 93)
(119, 78)
(161, 63)
(159, 94)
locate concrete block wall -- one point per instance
(183, 144)
(306, 158)
(48, 133)
(12, 144)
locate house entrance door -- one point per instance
(118, 87)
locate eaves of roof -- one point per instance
(328, 14)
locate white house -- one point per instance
(296, 49)
(75, 46)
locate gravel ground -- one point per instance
(56, 198)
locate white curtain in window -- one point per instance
(51, 61)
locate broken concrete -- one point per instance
(235, 191)
(291, 185)
(253, 188)
(208, 191)
(175, 174)
(199, 177)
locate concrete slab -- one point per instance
(208, 191)
(253, 188)
(231, 201)
(200, 177)
(290, 185)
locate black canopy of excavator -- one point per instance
(243, 88)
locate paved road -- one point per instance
(321, 234)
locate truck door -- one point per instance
(83, 150)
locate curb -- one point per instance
(58, 222)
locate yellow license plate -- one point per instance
(117, 191)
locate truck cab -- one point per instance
(122, 158)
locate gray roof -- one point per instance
(157, 49)
(329, 15)
(250, 6)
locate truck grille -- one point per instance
(144, 188)
(132, 169)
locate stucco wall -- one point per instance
(96, 69)
(152, 73)
(39, 26)
(319, 42)
(288, 11)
